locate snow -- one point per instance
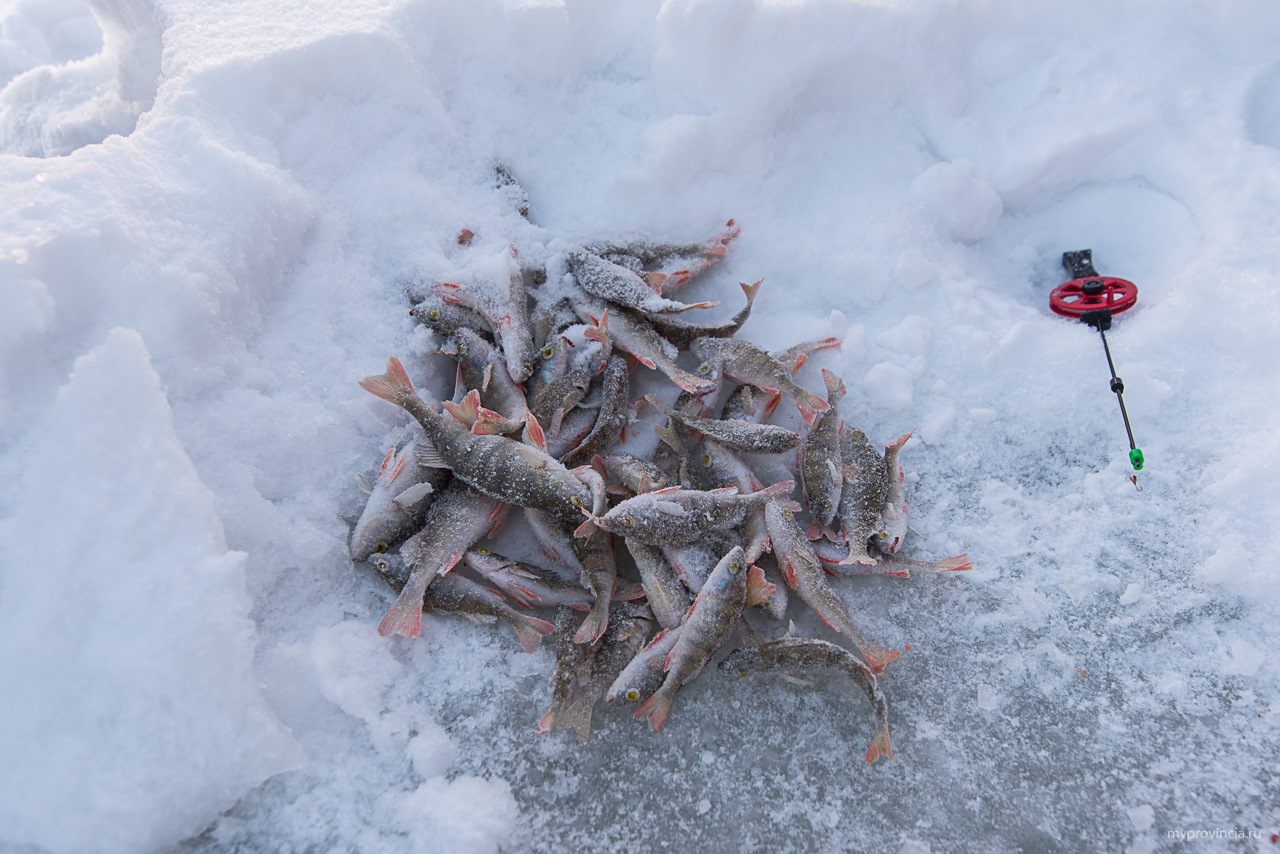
(209, 219)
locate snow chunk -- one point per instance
(127, 677)
(889, 387)
(1131, 594)
(463, 814)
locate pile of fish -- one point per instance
(685, 541)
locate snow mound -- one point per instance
(127, 676)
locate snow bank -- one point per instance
(131, 712)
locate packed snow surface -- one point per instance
(210, 216)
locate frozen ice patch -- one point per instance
(127, 679)
(1131, 594)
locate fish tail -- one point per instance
(655, 709)
(547, 721)
(594, 625)
(880, 745)
(758, 590)
(835, 386)
(896, 444)
(809, 405)
(959, 563)
(779, 490)
(394, 385)
(876, 656)
(751, 289)
(578, 717)
(530, 630)
(404, 616)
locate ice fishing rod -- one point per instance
(1094, 299)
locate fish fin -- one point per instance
(656, 638)
(781, 489)
(413, 495)
(791, 630)
(600, 331)
(393, 386)
(404, 617)
(880, 746)
(490, 423)
(835, 386)
(488, 375)
(533, 434)
(725, 490)
(427, 455)
(386, 461)
(548, 720)
(772, 405)
(530, 631)
(587, 528)
(593, 626)
(665, 490)
(758, 590)
(578, 717)
(878, 658)
(466, 412)
(795, 680)
(499, 518)
(670, 508)
(896, 444)
(655, 281)
(793, 506)
(689, 382)
(959, 563)
(526, 596)
(648, 363)
(362, 481)
(655, 709)
(629, 591)
(751, 289)
(810, 405)
(788, 570)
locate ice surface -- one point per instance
(250, 187)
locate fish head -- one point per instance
(393, 568)
(373, 536)
(740, 662)
(893, 530)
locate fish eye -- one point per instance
(548, 351)
(461, 346)
(628, 521)
(735, 566)
(704, 369)
(577, 502)
(433, 314)
(380, 548)
(706, 459)
(787, 514)
(483, 551)
(632, 695)
(884, 535)
(702, 339)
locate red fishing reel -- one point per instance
(1093, 293)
